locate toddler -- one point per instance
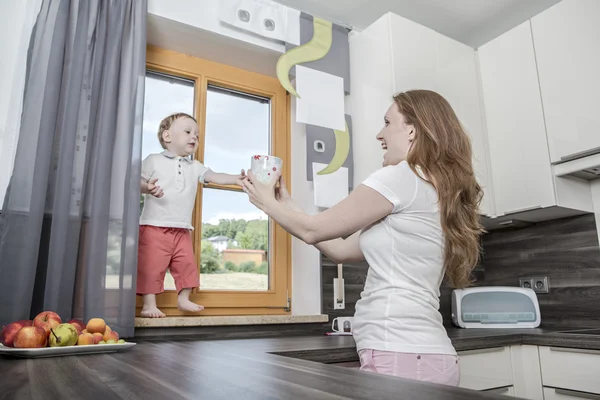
(169, 181)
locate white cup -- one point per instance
(265, 168)
(344, 324)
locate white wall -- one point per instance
(204, 14)
(18, 21)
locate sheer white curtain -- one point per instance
(17, 24)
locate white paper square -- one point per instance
(329, 189)
(321, 99)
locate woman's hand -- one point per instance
(283, 196)
(260, 194)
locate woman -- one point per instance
(413, 221)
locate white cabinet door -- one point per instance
(414, 52)
(518, 149)
(567, 48)
(459, 84)
(571, 369)
(504, 391)
(486, 369)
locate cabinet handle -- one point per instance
(518, 210)
(569, 350)
(481, 351)
(497, 390)
(580, 154)
(574, 393)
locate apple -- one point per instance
(84, 331)
(111, 342)
(8, 333)
(102, 342)
(96, 325)
(63, 335)
(78, 324)
(85, 339)
(30, 337)
(47, 320)
(112, 335)
(97, 337)
(121, 341)
(107, 330)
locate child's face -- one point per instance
(182, 137)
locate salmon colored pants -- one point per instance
(436, 368)
(160, 249)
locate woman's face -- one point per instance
(395, 137)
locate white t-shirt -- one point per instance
(398, 309)
(178, 177)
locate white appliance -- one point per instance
(495, 307)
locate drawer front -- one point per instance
(571, 369)
(486, 368)
(565, 394)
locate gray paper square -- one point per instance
(326, 136)
(337, 61)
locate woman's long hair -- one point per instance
(442, 150)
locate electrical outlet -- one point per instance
(540, 284)
(526, 283)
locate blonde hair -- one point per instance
(167, 122)
(442, 150)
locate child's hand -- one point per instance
(154, 189)
(240, 178)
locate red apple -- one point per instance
(8, 333)
(78, 324)
(47, 320)
(30, 337)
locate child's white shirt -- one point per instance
(178, 177)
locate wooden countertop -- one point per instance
(275, 368)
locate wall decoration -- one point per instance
(314, 49)
(262, 17)
(328, 147)
(337, 60)
(322, 101)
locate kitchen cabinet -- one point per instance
(486, 369)
(568, 61)
(521, 171)
(395, 54)
(562, 394)
(571, 369)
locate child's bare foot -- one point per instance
(187, 305)
(152, 312)
(149, 310)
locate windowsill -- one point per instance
(172, 322)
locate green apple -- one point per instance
(102, 342)
(111, 341)
(121, 341)
(63, 335)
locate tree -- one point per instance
(209, 258)
(255, 236)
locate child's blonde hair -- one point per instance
(167, 122)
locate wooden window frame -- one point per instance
(276, 300)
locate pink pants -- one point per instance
(436, 368)
(160, 249)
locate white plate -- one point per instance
(65, 351)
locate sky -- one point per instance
(236, 129)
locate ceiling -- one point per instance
(473, 22)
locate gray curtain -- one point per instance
(69, 223)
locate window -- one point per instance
(244, 258)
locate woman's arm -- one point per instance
(363, 207)
(342, 250)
